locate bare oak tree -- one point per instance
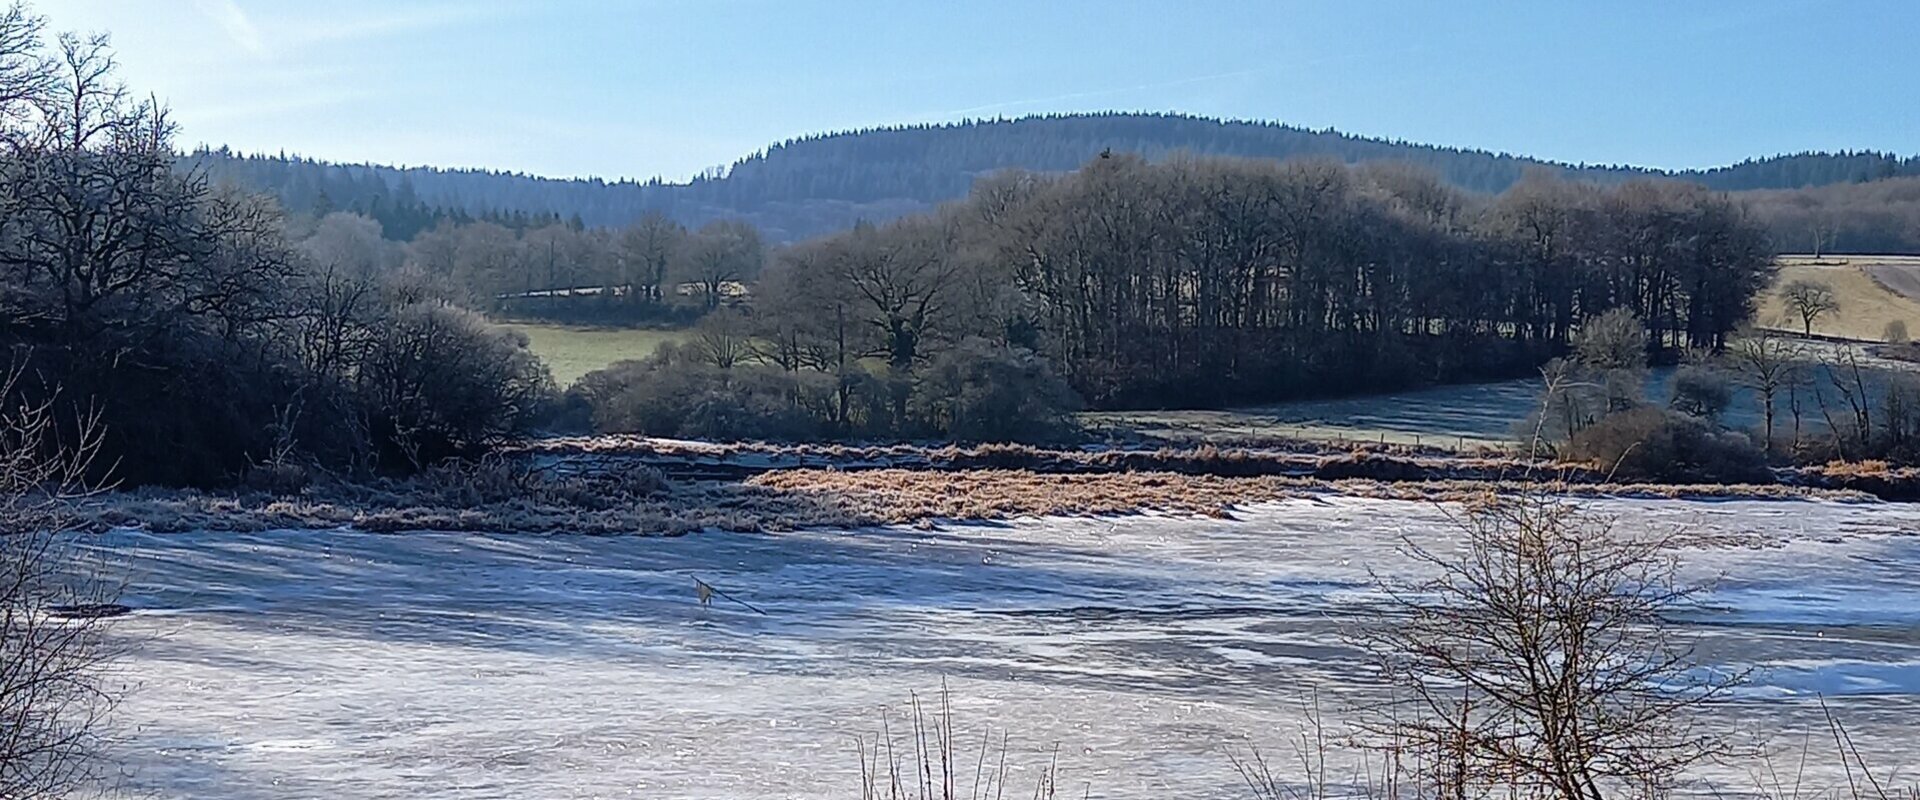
(724, 339)
(1809, 300)
(645, 251)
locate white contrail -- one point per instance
(233, 20)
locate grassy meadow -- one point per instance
(571, 351)
(1864, 286)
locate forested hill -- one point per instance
(804, 187)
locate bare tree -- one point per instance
(1540, 656)
(351, 244)
(26, 77)
(722, 253)
(1823, 228)
(1614, 345)
(902, 277)
(52, 655)
(724, 338)
(1769, 364)
(645, 251)
(1849, 380)
(1809, 300)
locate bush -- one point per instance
(980, 391)
(977, 391)
(55, 687)
(439, 381)
(1895, 332)
(1701, 391)
(1543, 658)
(1659, 445)
(1613, 340)
(677, 393)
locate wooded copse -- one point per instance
(175, 316)
(1194, 283)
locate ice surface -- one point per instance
(346, 665)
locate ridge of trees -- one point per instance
(818, 184)
(1191, 282)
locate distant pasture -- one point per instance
(571, 351)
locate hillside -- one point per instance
(812, 185)
(1872, 291)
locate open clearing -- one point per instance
(1872, 290)
(1900, 275)
(571, 351)
(352, 665)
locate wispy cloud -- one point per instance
(337, 27)
(234, 21)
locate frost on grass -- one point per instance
(619, 485)
(791, 499)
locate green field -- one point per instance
(572, 350)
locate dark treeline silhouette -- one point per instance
(1190, 282)
(174, 316)
(317, 188)
(819, 184)
(1208, 281)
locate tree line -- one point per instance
(1880, 216)
(175, 316)
(654, 270)
(817, 185)
(1242, 280)
(1200, 282)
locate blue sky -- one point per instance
(639, 88)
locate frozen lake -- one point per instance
(309, 664)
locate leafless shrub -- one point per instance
(1539, 660)
(1660, 445)
(1310, 749)
(925, 761)
(52, 655)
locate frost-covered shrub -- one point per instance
(495, 480)
(980, 391)
(1701, 391)
(438, 381)
(1659, 445)
(672, 394)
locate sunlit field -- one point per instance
(1872, 291)
(571, 351)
